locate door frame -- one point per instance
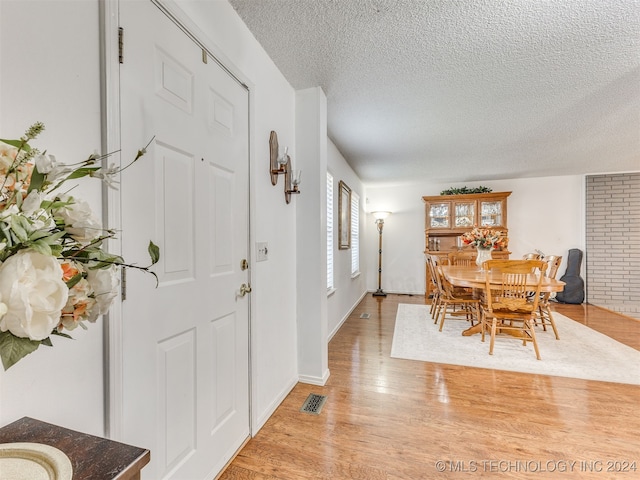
(109, 14)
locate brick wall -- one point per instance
(613, 242)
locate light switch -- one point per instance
(262, 251)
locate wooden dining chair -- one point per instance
(438, 290)
(463, 258)
(455, 302)
(509, 307)
(432, 262)
(545, 317)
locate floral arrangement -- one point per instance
(466, 190)
(485, 238)
(54, 272)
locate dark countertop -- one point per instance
(93, 458)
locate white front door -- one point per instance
(186, 342)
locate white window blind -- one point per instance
(355, 233)
(330, 285)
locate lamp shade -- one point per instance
(380, 215)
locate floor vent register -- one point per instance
(313, 404)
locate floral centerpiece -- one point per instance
(55, 274)
(485, 238)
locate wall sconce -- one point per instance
(380, 216)
(280, 164)
(278, 160)
(291, 182)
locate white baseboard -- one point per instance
(264, 416)
(401, 293)
(344, 319)
(320, 381)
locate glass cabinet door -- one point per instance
(439, 215)
(491, 214)
(464, 214)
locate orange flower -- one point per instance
(68, 271)
(79, 310)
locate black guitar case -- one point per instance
(574, 289)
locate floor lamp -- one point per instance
(380, 216)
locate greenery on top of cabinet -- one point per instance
(464, 190)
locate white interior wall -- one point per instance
(348, 290)
(311, 208)
(48, 75)
(545, 213)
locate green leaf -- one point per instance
(38, 234)
(18, 228)
(13, 349)
(95, 263)
(60, 334)
(82, 172)
(74, 280)
(55, 205)
(37, 180)
(53, 238)
(154, 253)
(17, 144)
(42, 247)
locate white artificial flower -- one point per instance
(45, 163)
(108, 175)
(31, 204)
(42, 220)
(79, 220)
(104, 283)
(34, 293)
(58, 172)
(7, 212)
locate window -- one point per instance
(330, 285)
(355, 234)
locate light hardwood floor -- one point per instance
(388, 418)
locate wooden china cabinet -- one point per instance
(449, 216)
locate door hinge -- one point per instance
(123, 283)
(120, 44)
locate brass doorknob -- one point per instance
(244, 289)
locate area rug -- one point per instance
(580, 353)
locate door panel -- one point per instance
(186, 342)
(223, 334)
(174, 222)
(173, 81)
(176, 384)
(220, 196)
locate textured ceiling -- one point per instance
(465, 90)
